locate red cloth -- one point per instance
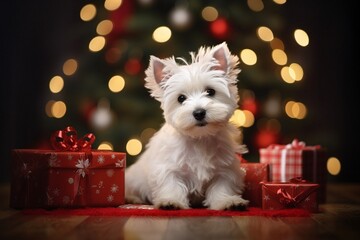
(135, 210)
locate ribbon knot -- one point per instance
(67, 140)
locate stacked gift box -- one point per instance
(292, 175)
(73, 175)
(296, 160)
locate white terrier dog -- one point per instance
(191, 161)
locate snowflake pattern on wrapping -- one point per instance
(114, 188)
(101, 159)
(119, 163)
(54, 161)
(110, 198)
(82, 166)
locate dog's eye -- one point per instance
(210, 92)
(181, 98)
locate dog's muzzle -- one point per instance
(199, 115)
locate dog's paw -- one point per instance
(168, 205)
(231, 203)
(238, 207)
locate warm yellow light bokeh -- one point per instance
(112, 5)
(58, 109)
(105, 146)
(88, 12)
(333, 166)
(133, 147)
(116, 83)
(287, 74)
(70, 66)
(248, 57)
(296, 110)
(298, 71)
(209, 13)
(255, 5)
(162, 34)
(265, 34)
(56, 84)
(279, 56)
(104, 27)
(97, 44)
(301, 37)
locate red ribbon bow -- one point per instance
(67, 140)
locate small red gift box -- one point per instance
(73, 175)
(255, 173)
(293, 194)
(297, 160)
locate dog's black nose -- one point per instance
(199, 114)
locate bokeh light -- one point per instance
(333, 166)
(133, 147)
(88, 12)
(162, 34)
(116, 83)
(248, 56)
(301, 37)
(56, 84)
(97, 43)
(70, 66)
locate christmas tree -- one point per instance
(101, 86)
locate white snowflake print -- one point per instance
(56, 192)
(110, 198)
(266, 198)
(53, 160)
(98, 186)
(66, 200)
(83, 167)
(113, 156)
(70, 180)
(114, 188)
(119, 163)
(110, 172)
(101, 159)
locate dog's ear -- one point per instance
(154, 76)
(226, 61)
(157, 67)
(221, 54)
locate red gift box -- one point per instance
(293, 194)
(297, 160)
(255, 173)
(50, 178)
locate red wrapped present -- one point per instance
(255, 173)
(73, 175)
(297, 160)
(296, 193)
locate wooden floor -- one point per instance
(339, 219)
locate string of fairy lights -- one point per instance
(289, 72)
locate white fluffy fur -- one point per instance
(191, 162)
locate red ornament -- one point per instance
(264, 138)
(250, 105)
(219, 28)
(133, 66)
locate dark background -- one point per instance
(33, 41)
